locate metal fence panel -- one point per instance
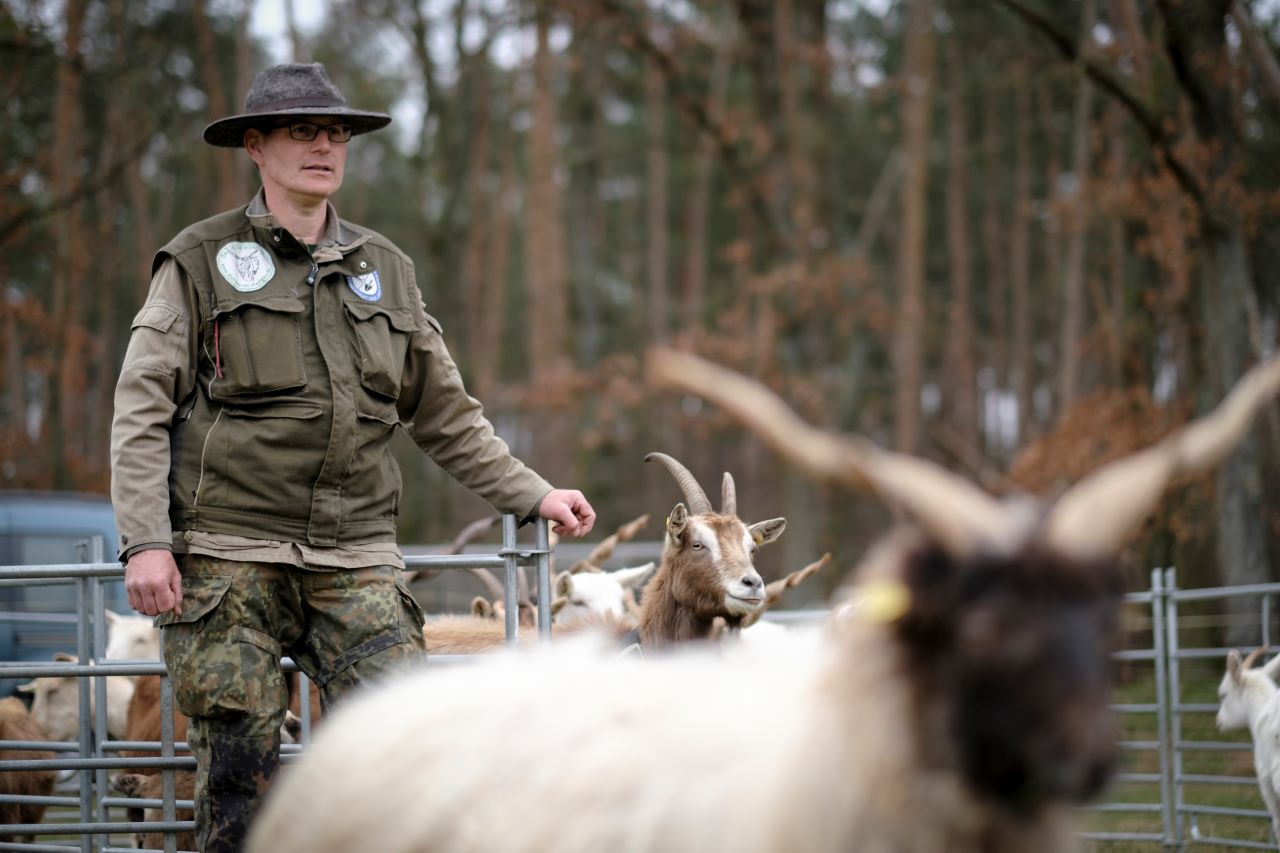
(89, 797)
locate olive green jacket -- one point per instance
(262, 385)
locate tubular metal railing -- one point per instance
(95, 755)
(1178, 820)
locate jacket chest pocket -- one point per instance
(257, 348)
(380, 336)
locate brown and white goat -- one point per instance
(707, 570)
(706, 573)
(962, 704)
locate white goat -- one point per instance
(55, 703)
(1250, 698)
(131, 638)
(961, 705)
(583, 595)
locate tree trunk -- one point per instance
(1073, 284)
(1021, 368)
(698, 213)
(488, 365)
(544, 251)
(475, 273)
(1195, 39)
(585, 210)
(66, 393)
(656, 201)
(296, 53)
(961, 382)
(223, 177)
(995, 247)
(909, 320)
(1264, 61)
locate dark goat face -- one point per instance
(1016, 654)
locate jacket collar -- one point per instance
(338, 236)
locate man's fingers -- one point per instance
(175, 587)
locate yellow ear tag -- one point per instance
(883, 601)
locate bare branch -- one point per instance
(695, 110)
(1152, 125)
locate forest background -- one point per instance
(1018, 237)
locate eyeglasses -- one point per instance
(305, 131)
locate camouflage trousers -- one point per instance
(343, 628)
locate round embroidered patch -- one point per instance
(368, 287)
(246, 266)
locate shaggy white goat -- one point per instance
(960, 706)
(1250, 698)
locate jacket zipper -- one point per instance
(195, 493)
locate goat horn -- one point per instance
(728, 495)
(697, 499)
(959, 515)
(1094, 517)
(1252, 658)
(496, 590)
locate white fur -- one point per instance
(56, 699)
(56, 703)
(572, 749)
(131, 638)
(1251, 698)
(598, 593)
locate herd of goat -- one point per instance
(958, 697)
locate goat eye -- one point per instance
(697, 546)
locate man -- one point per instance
(253, 482)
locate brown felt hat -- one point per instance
(290, 90)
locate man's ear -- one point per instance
(253, 139)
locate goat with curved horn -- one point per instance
(693, 493)
(957, 514)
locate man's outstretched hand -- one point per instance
(569, 508)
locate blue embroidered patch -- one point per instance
(368, 287)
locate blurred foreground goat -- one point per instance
(960, 705)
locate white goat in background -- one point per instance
(1249, 698)
(962, 705)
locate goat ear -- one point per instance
(764, 532)
(564, 584)
(557, 604)
(634, 576)
(481, 607)
(1234, 665)
(29, 687)
(527, 614)
(112, 616)
(678, 522)
(63, 657)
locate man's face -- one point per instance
(302, 170)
